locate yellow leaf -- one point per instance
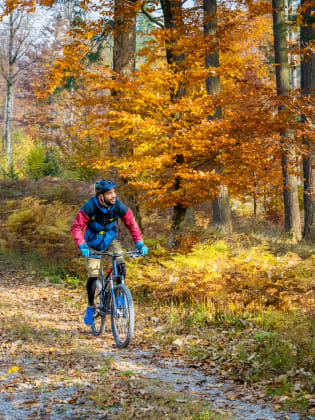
(13, 369)
(232, 306)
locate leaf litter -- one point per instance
(51, 367)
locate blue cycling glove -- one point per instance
(84, 250)
(142, 248)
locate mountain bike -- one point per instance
(113, 297)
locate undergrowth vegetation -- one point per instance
(244, 302)
(273, 350)
(236, 275)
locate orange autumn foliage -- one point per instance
(241, 151)
(143, 114)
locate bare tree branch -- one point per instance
(151, 18)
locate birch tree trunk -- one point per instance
(7, 122)
(308, 88)
(18, 53)
(9, 92)
(222, 217)
(292, 223)
(291, 39)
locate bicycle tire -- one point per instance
(99, 324)
(123, 321)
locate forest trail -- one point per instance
(51, 367)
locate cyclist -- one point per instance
(95, 226)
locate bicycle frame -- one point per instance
(112, 274)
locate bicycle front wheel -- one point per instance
(123, 319)
(98, 326)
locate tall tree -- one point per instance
(221, 208)
(124, 65)
(173, 18)
(124, 59)
(308, 88)
(18, 52)
(292, 223)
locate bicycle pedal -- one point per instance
(99, 313)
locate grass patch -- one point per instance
(274, 348)
(19, 329)
(107, 366)
(28, 331)
(300, 405)
(56, 271)
(198, 352)
(150, 399)
(127, 372)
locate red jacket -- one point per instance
(97, 225)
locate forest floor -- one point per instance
(51, 367)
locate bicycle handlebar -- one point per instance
(98, 254)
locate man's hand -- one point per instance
(84, 250)
(141, 248)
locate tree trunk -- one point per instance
(8, 120)
(124, 38)
(9, 93)
(308, 88)
(177, 223)
(291, 39)
(172, 12)
(124, 63)
(70, 121)
(7, 123)
(222, 217)
(190, 219)
(255, 208)
(292, 223)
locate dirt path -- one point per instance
(51, 367)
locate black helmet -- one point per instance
(103, 185)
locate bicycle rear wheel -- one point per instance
(98, 326)
(123, 320)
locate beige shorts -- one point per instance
(94, 264)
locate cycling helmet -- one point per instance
(103, 185)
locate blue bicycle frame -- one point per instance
(112, 274)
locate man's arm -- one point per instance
(79, 227)
(130, 222)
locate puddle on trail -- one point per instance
(173, 374)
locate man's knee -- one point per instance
(93, 267)
(115, 247)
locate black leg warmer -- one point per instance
(90, 287)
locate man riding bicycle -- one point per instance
(95, 226)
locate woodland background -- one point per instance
(203, 112)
